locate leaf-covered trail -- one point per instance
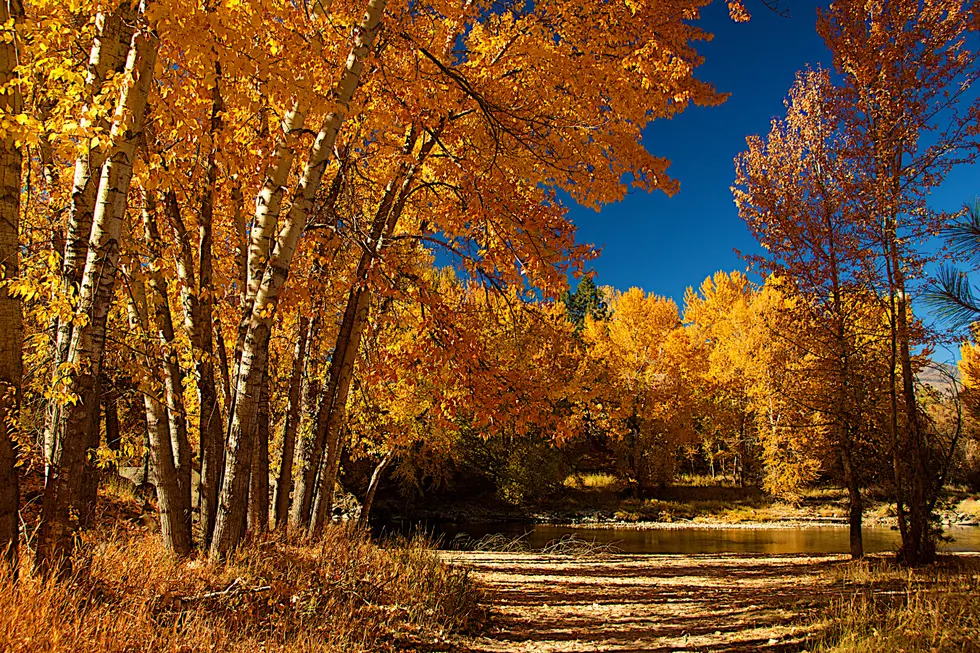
(634, 603)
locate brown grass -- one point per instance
(343, 594)
(887, 608)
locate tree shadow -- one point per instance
(649, 603)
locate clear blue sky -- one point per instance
(666, 244)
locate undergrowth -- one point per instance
(341, 594)
(888, 608)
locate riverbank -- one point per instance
(608, 603)
(883, 607)
(341, 594)
(599, 503)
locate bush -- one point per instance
(535, 469)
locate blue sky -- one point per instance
(666, 244)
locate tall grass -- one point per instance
(890, 609)
(342, 594)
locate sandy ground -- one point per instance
(634, 603)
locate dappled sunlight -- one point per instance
(648, 603)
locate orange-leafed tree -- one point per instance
(641, 359)
(908, 114)
(794, 189)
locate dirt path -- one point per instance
(631, 603)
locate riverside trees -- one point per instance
(364, 131)
(242, 251)
(837, 194)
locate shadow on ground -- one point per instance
(634, 603)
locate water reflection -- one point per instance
(815, 540)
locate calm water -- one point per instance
(815, 540)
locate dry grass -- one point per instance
(888, 608)
(567, 545)
(969, 507)
(343, 594)
(596, 481)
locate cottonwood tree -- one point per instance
(907, 118)
(794, 191)
(11, 325)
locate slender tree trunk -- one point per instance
(855, 503)
(252, 368)
(372, 489)
(224, 367)
(341, 375)
(920, 547)
(11, 320)
(259, 491)
(355, 319)
(172, 374)
(174, 525)
(290, 423)
(108, 55)
(268, 206)
(898, 472)
(197, 309)
(113, 434)
(56, 533)
(309, 450)
(93, 475)
(212, 433)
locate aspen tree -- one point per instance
(64, 483)
(11, 320)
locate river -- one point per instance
(713, 540)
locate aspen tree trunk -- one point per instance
(268, 206)
(372, 489)
(290, 423)
(355, 319)
(252, 368)
(341, 375)
(108, 55)
(174, 526)
(212, 433)
(11, 320)
(172, 374)
(299, 514)
(55, 536)
(225, 367)
(197, 310)
(259, 486)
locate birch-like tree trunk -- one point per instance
(212, 433)
(197, 311)
(174, 526)
(308, 456)
(290, 423)
(63, 485)
(372, 489)
(173, 375)
(108, 55)
(355, 319)
(252, 367)
(11, 320)
(258, 501)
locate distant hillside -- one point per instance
(937, 375)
